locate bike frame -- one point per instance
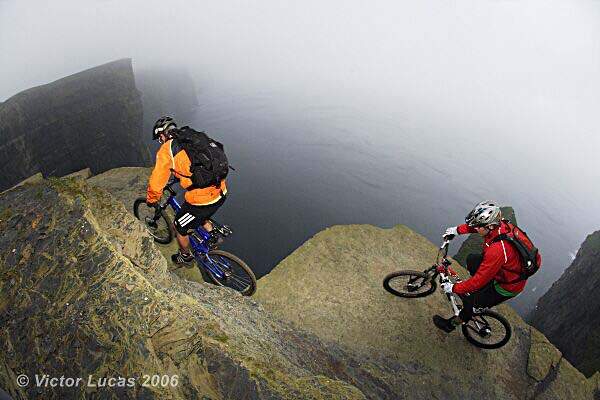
(199, 247)
(442, 267)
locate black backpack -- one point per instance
(528, 252)
(209, 165)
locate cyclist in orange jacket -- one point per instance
(496, 273)
(200, 203)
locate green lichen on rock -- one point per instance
(83, 173)
(565, 384)
(595, 382)
(5, 212)
(332, 286)
(543, 356)
(84, 291)
(35, 178)
(126, 185)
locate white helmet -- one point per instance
(484, 213)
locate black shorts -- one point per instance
(485, 297)
(191, 217)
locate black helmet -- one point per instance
(163, 125)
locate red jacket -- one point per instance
(501, 263)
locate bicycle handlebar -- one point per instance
(168, 187)
(443, 250)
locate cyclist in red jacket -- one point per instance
(495, 274)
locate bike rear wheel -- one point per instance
(409, 284)
(236, 273)
(487, 329)
(157, 222)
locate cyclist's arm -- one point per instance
(464, 229)
(493, 260)
(160, 174)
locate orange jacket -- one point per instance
(180, 166)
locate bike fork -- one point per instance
(454, 305)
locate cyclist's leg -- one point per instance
(487, 297)
(208, 211)
(191, 217)
(466, 313)
(187, 218)
(473, 262)
(208, 226)
(484, 298)
(183, 241)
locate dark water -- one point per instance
(304, 164)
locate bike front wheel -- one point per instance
(487, 329)
(409, 284)
(234, 272)
(156, 221)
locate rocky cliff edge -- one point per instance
(84, 291)
(332, 287)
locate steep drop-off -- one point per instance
(569, 312)
(165, 91)
(84, 290)
(89, 119)
(332, 286)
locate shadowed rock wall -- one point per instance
(89, 119)
(569, 312)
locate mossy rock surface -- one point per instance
(84, 291)
(543, 356)
(332, 286)
(126, 184)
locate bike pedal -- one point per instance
(225, 230)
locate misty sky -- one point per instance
(475, 73)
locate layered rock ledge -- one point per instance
(85, 291)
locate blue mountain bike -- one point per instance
(223, 268)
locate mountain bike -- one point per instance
(487, 329)
(223, 268)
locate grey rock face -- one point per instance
(569, 312)
(84, 291)
(332, 287)
(90, 119)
